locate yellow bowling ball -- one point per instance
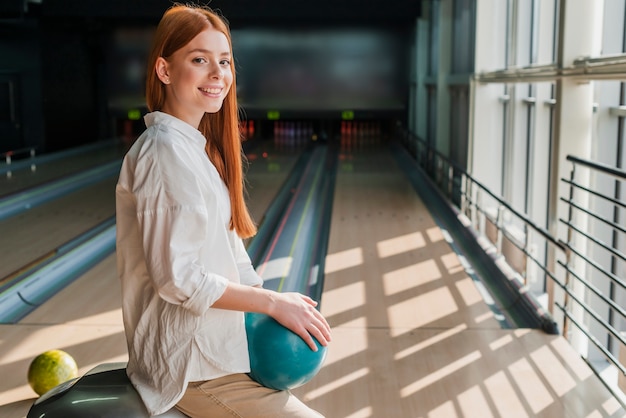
(50, 369)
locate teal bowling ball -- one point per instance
(279, 358)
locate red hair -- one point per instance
(178, 26)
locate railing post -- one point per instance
(568, 252)
(430, 163)
(621, 377)
(33, 167)
(439, 170)
(480, 224)
(465, 197)
(499, 223)
(7, 158)
(526, 253)
(450, 181)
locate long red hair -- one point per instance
(178, 26)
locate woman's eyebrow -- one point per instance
(206, 51)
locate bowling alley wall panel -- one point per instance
(321, 69)
(295, 71)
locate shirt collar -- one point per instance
(162, 118)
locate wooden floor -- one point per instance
(412, 337)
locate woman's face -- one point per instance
(197, 77)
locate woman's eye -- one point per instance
(225, 62)
(199, 60)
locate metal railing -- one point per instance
(586, 278)
(489, 214)
(591, 263)
(8, 157)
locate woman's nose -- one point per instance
(216, 70)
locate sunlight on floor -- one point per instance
(449, 369)
(504, 396)
(112, 317)
(562, 347)
(344, 298)
(421, 310)
(530, 385)
(30, 342)
(484, 317)
(343, 260)
(429, 342)
(473, 403)
(467, 289)
(362, 413)
(611, 406)
(558, 377)
(501, 342)
(451, 262)
(445, 410)
(434, 234)
(400, 244)
(409, 277)
(335, 384)
(358, 342)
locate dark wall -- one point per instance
(52, 94)
(21, 114)
(62, 55)
(72, 62)
(247, 12)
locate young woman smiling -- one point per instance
(181, 216)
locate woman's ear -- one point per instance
(161, 70)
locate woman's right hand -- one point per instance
(298, 313)
(293, 310)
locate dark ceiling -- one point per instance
(238, 12)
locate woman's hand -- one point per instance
(294, 311)
(298, 313)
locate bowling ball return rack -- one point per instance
(104, 392)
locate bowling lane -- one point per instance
(269, 163)
(85, 318)
(39, 231)
(35, 233)
(412, 335)
(58, 165)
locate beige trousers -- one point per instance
(239, 396)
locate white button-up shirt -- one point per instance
(175, 256)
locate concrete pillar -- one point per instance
(486, 109)
(580, 30)
(421, 70)
(444, 29)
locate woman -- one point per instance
(181, 216)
